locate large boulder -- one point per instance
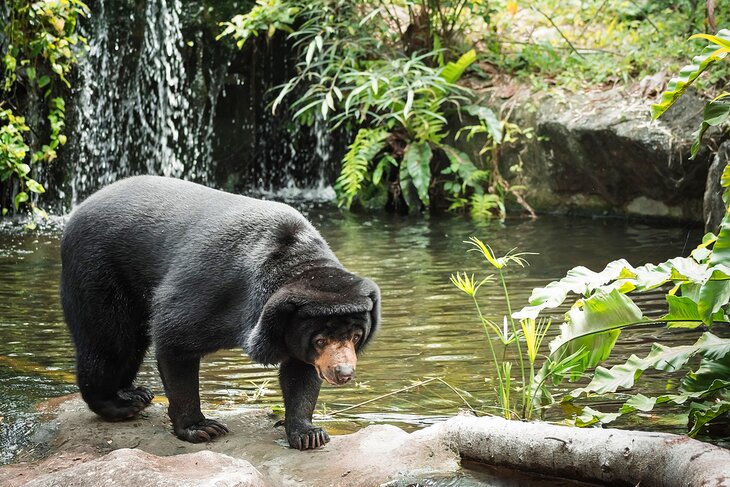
(600, 153)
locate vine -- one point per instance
(40, 46)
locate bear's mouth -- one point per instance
(332, 380)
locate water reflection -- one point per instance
(429, 328)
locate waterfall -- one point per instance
(157, 94)
(135, 110)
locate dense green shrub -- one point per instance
(40, 45)
(391, 83)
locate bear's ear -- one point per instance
(265, 342)
(374, 295)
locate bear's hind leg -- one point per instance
(105, 378)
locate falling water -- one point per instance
(133, 109)
(157, 96)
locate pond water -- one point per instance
(429, 327)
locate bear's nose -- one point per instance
(344, 373)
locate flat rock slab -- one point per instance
(135, 467)
(373, 456)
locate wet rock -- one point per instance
(133, 468)
(372, 456)
(713, 208)
(600, 153)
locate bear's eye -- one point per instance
(356, 337)
(320, 342)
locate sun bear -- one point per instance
(154, 260)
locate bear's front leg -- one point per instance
(180, 376)
(300, 386)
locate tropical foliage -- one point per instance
(40, 45)
(516, 399)
(392, 84)
(697, 296)
(716, 112)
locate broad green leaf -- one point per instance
(715, 113)
(487, 117)
(22, 169)
(408, 190)
(417, 160)
(702, 413)
(590, 416)
(43, 81)
(617, 377)
(35, 186)
(721, 249)
(712, 374)
(688, 75)
(666, 359)
(595, 326)
(686, 268)
(459, 163)
(713, 39)
(20, 198)
(581, 281)
(638, 402)
(714, 295)
(683, 312)
(453, 70)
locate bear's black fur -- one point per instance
(193, 270)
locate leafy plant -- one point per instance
(699, 295)
(716, 112)
(41, 43)
(527, 339)
(574, 46)
(353, 73)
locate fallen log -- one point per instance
(608, 456)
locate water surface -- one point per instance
(429, 328)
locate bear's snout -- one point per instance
(336, 362)
(344, 373)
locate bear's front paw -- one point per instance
(307, 437)
(205, 430)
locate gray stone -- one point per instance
(600, 153)
(374, 455)
(134, 468)
(713, 208)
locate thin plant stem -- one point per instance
(572, 47)
(392, 393)
(453, 389)
(517, 340)
(491, 346)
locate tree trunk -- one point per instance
(610, 456)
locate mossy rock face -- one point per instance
(600, 153)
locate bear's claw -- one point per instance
(203, 431)
(308, 439)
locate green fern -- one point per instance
(356, 163)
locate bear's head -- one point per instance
(324, 317)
